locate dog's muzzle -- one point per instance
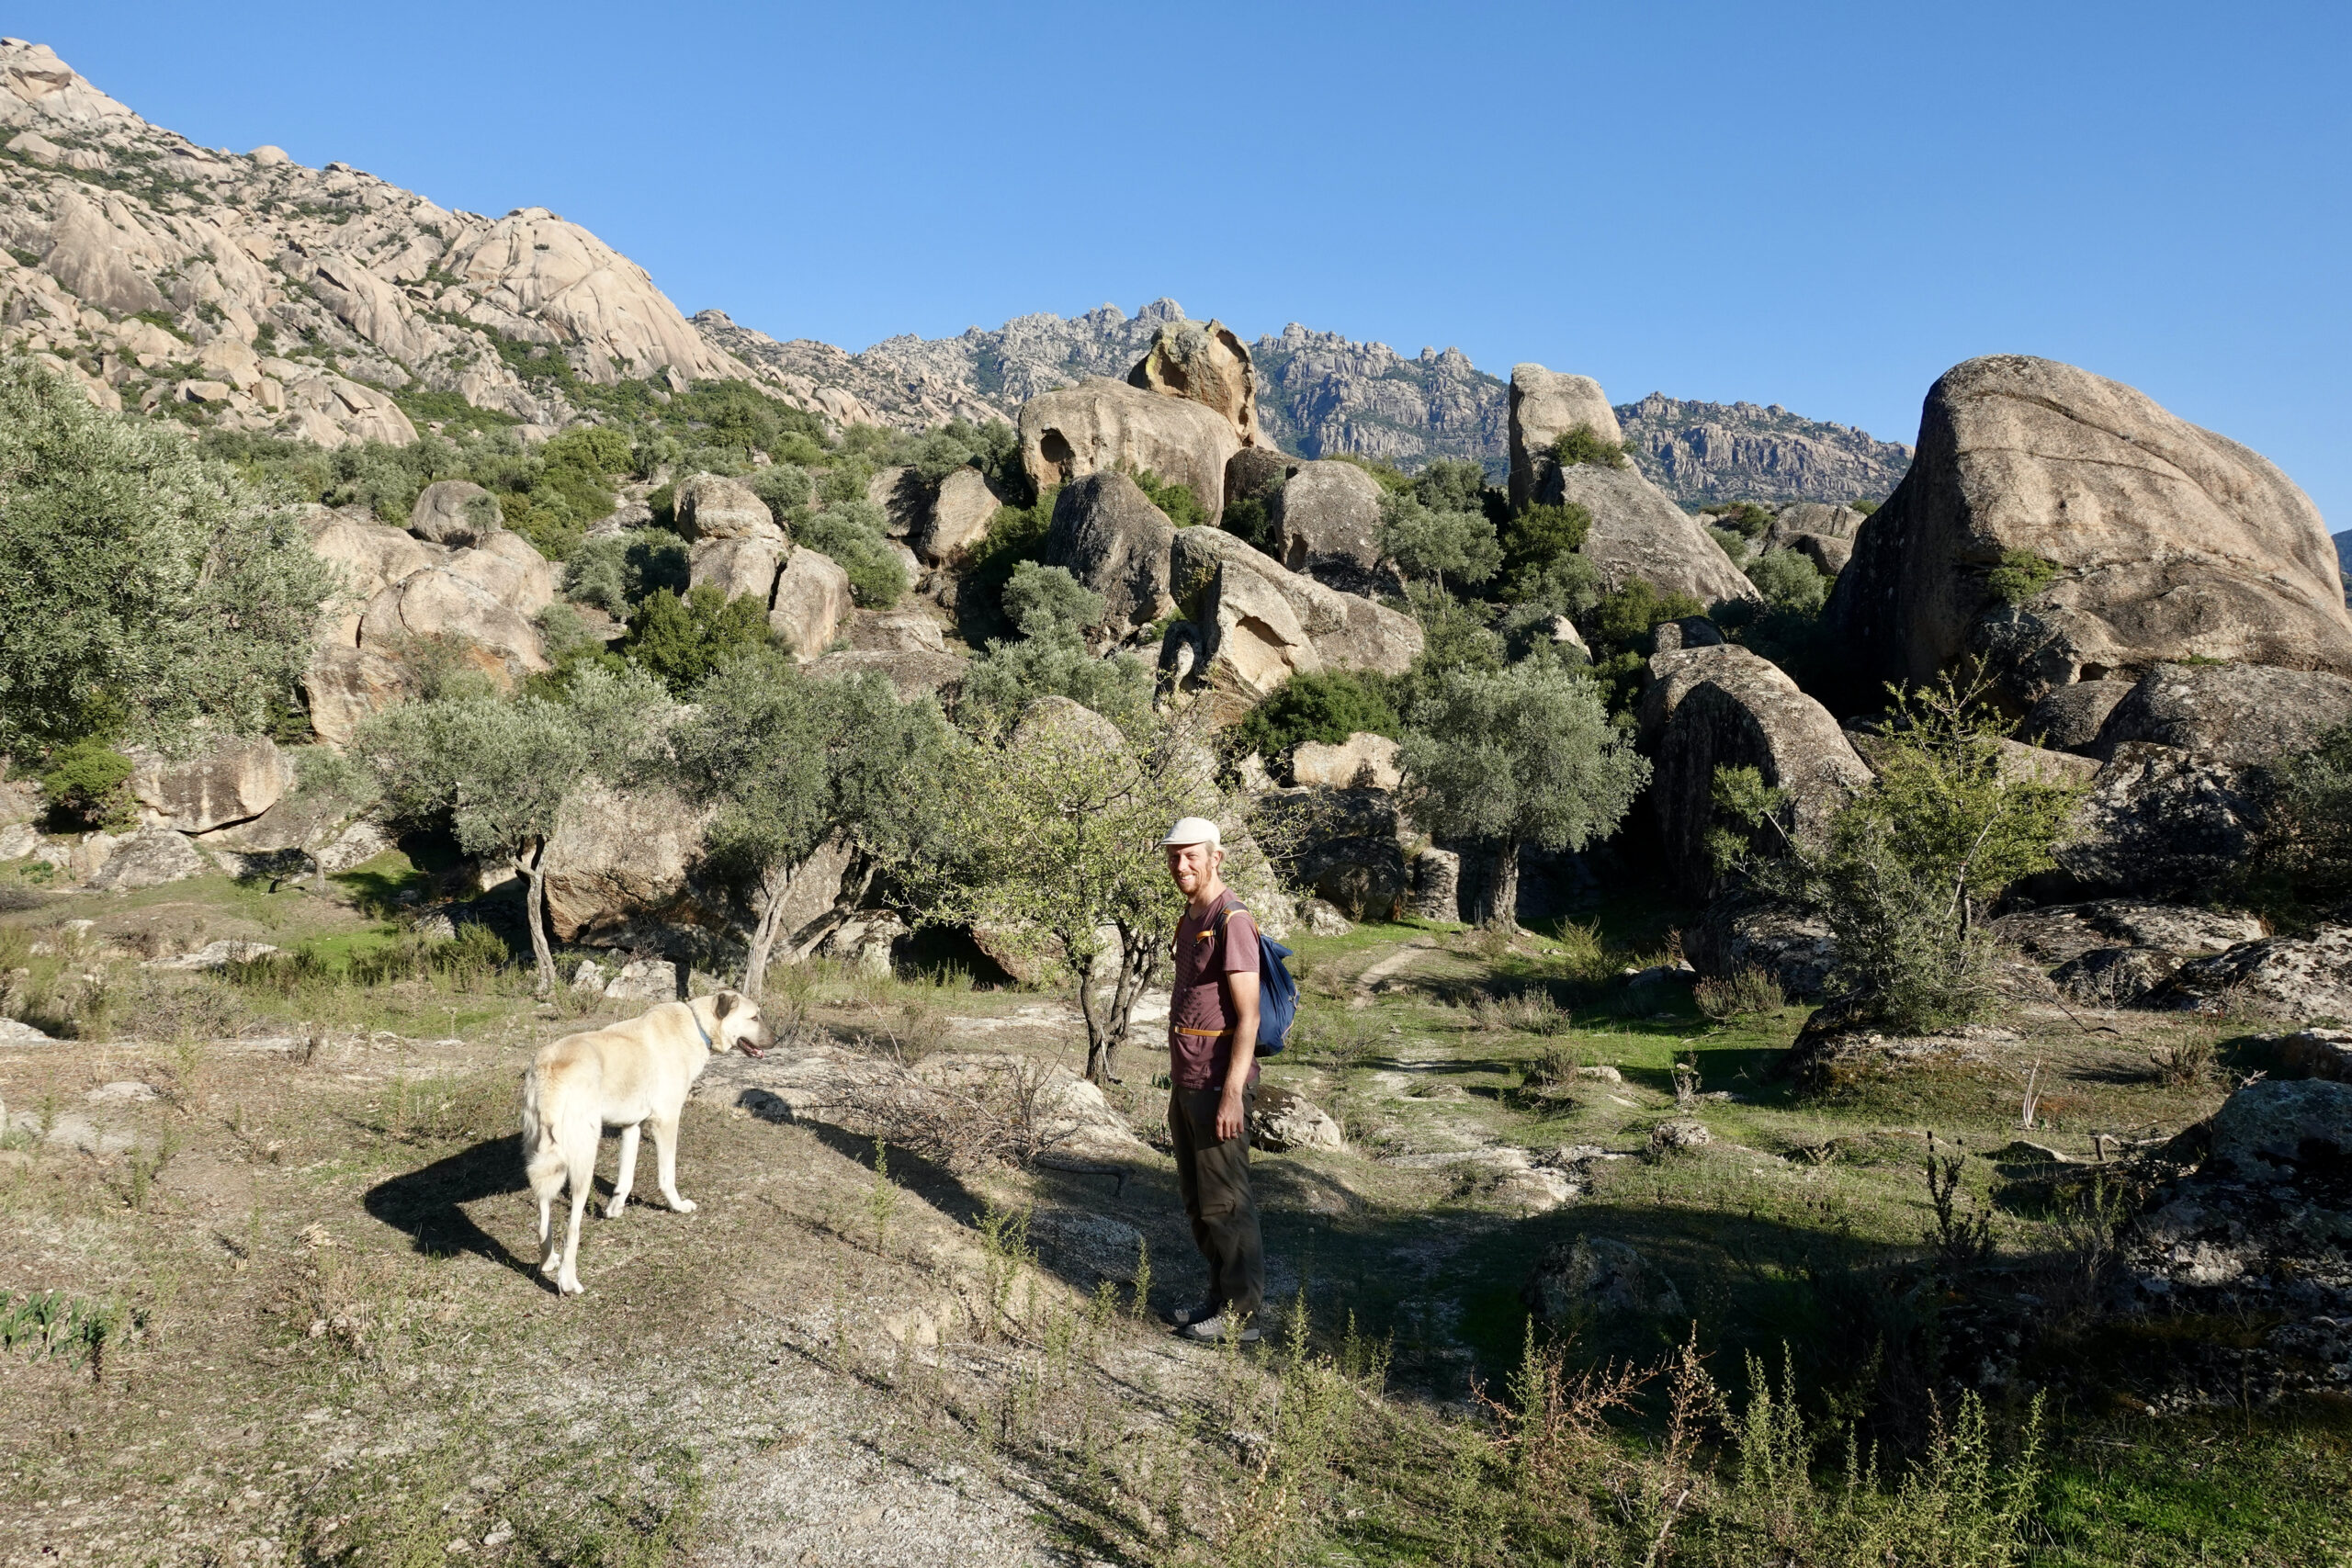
(749, 1049)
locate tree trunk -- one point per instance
(1138, 959)
(1099, 1041)
(775, 885)
(535, 901)
(1502, 893)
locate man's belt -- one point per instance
(1204, 1033)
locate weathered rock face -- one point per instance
(237, 780)
(1636, 532)
(1822, 533)
(1712, 452)
(150, 858)
(1437, 885)
(2160, 822)
(438, 603)
(343, 686)
(455, 512)
(1110, 536)
(896, 631)
(958, 518)
(370, 556)
(1326, 524)
(1283, 1121)
(911, 673)
(2291, 977)
(618, 860)
(506, 567)
(904, 498)
(2070, 717)
(1098, 426)
(1362, 762)
(1257, 473)
(1723, 706)
(2166, 541)
(1741, 931)
(741, 568)
(1346, 844)
(1256, 624)
(812, 601)
(2118, 951)
(1071, 725)
(710, 507)
(2283, 1129)
(1544, 406)
(1208, 364)
(2239, 714)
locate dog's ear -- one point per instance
(722, 1005)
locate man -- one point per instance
(1212, 1067)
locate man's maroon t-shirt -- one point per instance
(1208, 948)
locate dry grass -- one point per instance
(1750, 992)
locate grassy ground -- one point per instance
(300, 1321)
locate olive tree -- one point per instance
(1518, 756)
(1051, 838)
(499, 773)
(791, 763)
(146, 592)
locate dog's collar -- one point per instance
(707, 1043)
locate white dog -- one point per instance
(625, 1076)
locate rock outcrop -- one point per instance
(812, 603)
(1723, 706)
(1824, 534)
(1255, 624)
(1720, 452)
(1544, 406)
(1102, 426)
(1360, 761)
(2291, 977)
(2240, 714)
(1326, 524)
(454, 512)
(619, 862)
(234, 781)
(742, 567)
(2163, 823)
(2119, 951)
(1207, 365)
(1107, 534)
(711, 507)
(1743, 930)
(2131, 538)
(1637, 532)
(958, 518)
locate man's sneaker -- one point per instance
(1184, 1317)
(1215, 1330)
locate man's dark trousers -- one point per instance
(1213, 1176)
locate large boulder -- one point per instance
(1821, 533)
(711, 507)
(2240, 714)
(370, 557)
(1360, 761)
(618, 861)
(1102, 425)
(2070, 717)
(343, 686)
(1348, 845)
(1257, 473)
(958, 518)
(1724, 706)
(2159, 542)
(236, 780)
(1254, 624)
(2285, 1129)
(812, 601)
(2161, 822)
(437, 604)
(1208, 364)
(741, 568)
(1110, 536)
(150, 858)
(1327, 524)
(2118, 951)
(1637, 532)
(506, 567)
(1745, 931)
(904, 498)
(455, 512)
(2293, 977)
(1544, 406)
(1593, 1276)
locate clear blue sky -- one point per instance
(1817, 205)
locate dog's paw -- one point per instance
(613, 1210)
(550, 1263)
(682, 1205)
(571, 1286)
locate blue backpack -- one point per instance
(1277, 992)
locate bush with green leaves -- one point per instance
(1326, 705)
(1039, 599)
(2020, 576)
(1014, 535)
(851, 532)
(1732, 542)
(616, 573)
(1514, 756)
(1745, 518)
(87, 786)
(680, 641)
(1586, 444)
(1906, 871)
(2306, 856)
(1177, 501)
(1789, 581)
(146, 592)
(1452, 548)
(1013, 673)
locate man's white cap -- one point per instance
(1193, 830)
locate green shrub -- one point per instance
(1011, 674)
(2020, 576)
(1731, 541)
(681, 641)
(1586, 444)
(87, 785)
(1622, 622)
(1789, 581)
(1038, 599)
(1864, 505)
(1326, 705)
(2306, 854)
(616, 573)
(1455, 484)
(1249, 520)
(1014, 535)
(1542, 534)
(1434, 546)
(1177, 500)
(851, 532)
(1745, 518)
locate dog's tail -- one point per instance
(543, 1139)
